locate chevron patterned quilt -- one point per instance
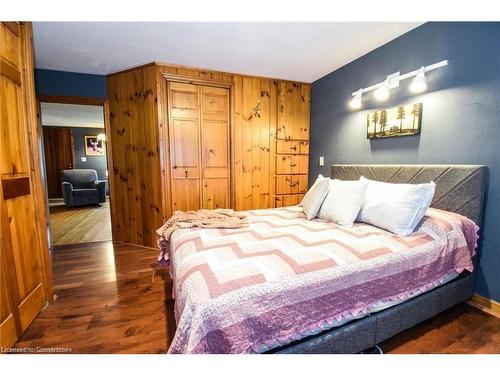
(283, 278)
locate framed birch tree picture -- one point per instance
(394, 122)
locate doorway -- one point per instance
(76, 170)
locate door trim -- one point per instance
(87, 100)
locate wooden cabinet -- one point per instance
(184, 138)
(25, 278)
(292, 143)
(291, 184)
(288, 200)
(199, 146)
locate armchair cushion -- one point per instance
(101, 190)
(81, 187)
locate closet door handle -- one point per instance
(186, 173)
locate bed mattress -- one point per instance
(283, 278)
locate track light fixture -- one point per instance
(357, 101)
(382, 89)
(419, 83)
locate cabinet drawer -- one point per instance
(291, 184)
(291, 164)
(288, 200)
(292, 147)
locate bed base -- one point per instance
(364, 333)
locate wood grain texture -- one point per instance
(214, 151)
(254, 123)
(106, 302)
(136, 172)
(460, 330)
(292, 144)
(59, 155)
(199, 146)
(488, 305)
(140, 108)
(293, 111)
(109, 302)
(80, 224)
(24, 259)
(185, 145)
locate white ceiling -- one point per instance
(72, 115)
(287, 50)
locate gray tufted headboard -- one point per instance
(459, 188)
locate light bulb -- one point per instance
(419, 83)
(382, 93)
(356, 101)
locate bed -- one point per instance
(287, 285)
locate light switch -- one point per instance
(321, 161)
(83, 159)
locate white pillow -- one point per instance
(397, 208)
(343, 202)
(314, 197)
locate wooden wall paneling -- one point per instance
(24, 256)
(237, 143)
(136, 161)
(293, 111)
(254, 124)
(119, 211)
(248, 102)
(153, 194)
(59, 155)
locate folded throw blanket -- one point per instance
(219, 218)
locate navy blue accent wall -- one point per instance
(460, 123)
(54, 82)
(93, 162)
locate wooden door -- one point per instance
(184, 145)
(24, 254)
(199, 146)
(58, 150)
(215, 146)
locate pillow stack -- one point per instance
(397, 208)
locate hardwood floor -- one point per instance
(80, 224)
(108, 303)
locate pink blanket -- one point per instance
(283, 277)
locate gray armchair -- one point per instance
(81, 187)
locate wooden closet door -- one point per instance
(24, 250)
(184, 145)
(215, 146)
